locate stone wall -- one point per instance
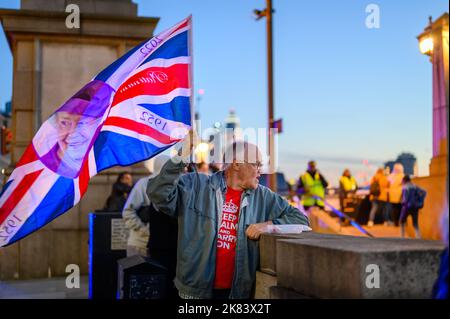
(111, 7)
(436, 202)
(312, 265)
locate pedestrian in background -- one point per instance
(395, 194)
(379, 186)
(347, 187)
(120, 190)
(413, 198)
(311, 184)
(136, 211)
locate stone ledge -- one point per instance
(37, 22)
(116, 7)
(268, 247)
(278, 292)
(263, 284)
(325, 268)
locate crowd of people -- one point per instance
(393, 196)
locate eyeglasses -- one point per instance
(257, 165)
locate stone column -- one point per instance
(439, 59)
(51, 63)
(436, 185)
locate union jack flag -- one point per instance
(136, 108)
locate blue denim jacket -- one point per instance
(197, 200)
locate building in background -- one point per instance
(232, 120)
(232, 127)
(409, 162)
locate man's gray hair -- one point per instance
(240, 152)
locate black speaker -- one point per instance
(141, 278)
(107, 244)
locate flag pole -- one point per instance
(191, 68)
(191, 79)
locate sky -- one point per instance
(346, 93)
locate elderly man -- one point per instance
(220, 219)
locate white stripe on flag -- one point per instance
(162, 63)
(137, 113)
(76, 191)
(130, 133)
(134, 60)
(27, 205)
(156, 99)
(17, 176)
(92, 164)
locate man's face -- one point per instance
(250, 171)
(312, 166)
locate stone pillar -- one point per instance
(51, 63)
(436, 184)
(439, 58)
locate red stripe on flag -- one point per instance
(180, 27)
(28, 156)
(18, 193)
(83, 179)
(140, 128)
(153, 81)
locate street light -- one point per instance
(259, 14)
(267, 13)
(426, 45)
(201, 152)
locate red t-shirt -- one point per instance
(226, 241)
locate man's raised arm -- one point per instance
(166, 189)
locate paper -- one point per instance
(119, 234)
(287, 229)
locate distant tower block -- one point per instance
(232, 127)
(232, 121)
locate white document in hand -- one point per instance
(287, 229)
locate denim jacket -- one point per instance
(197, 200)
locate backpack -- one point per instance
(375, 189)
(417, 198)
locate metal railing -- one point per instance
(343, 215)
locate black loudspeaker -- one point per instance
(107, 244)
(141, 278)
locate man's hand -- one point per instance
(254, 231)
(187, 145)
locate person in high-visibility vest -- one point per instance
(310, 184)
(347, 185)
